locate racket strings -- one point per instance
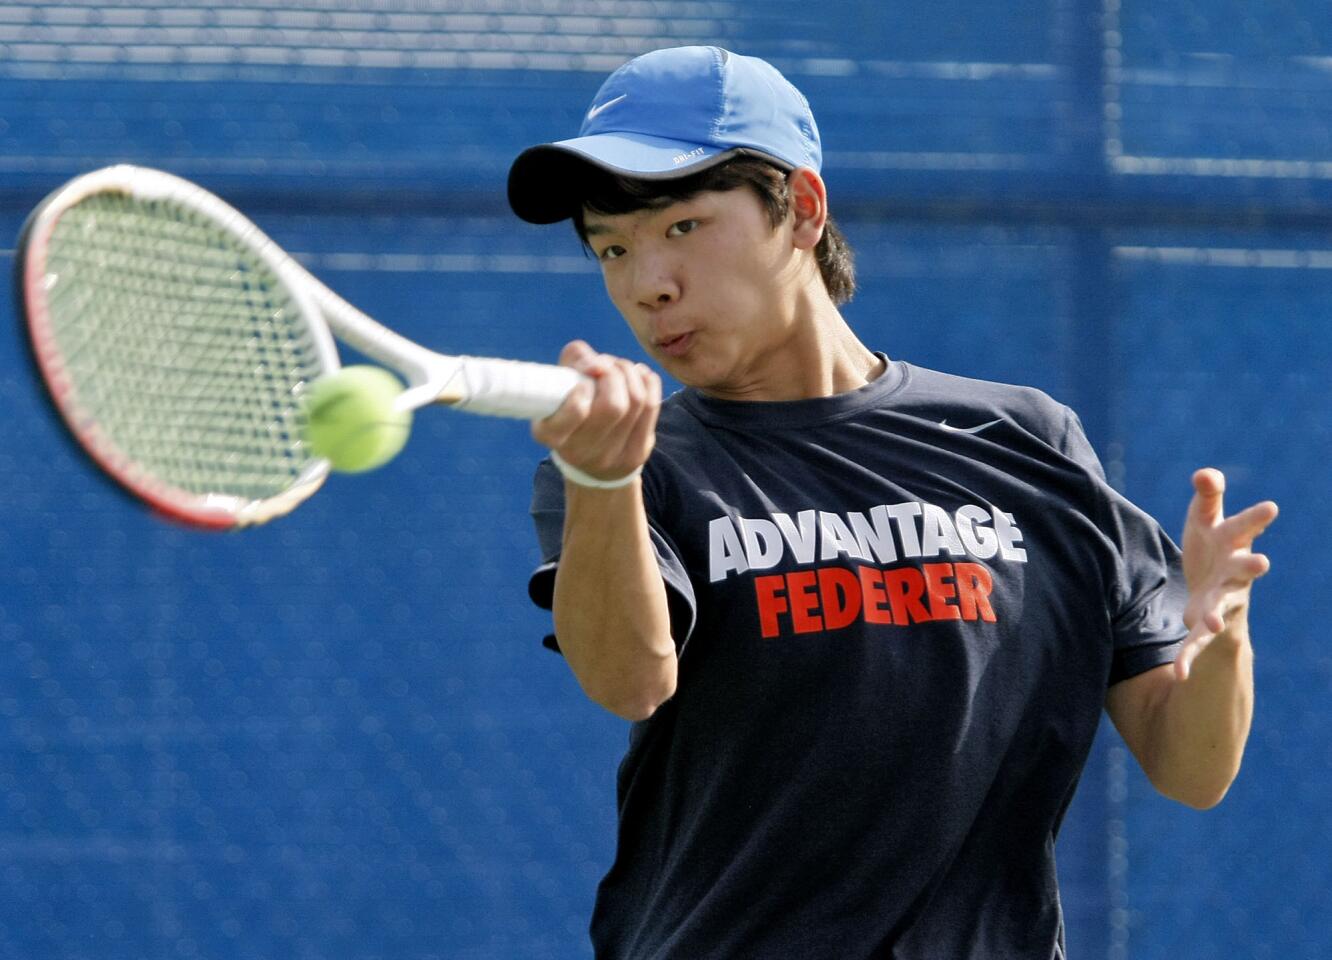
(181, 345)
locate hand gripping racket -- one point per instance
(176, 341)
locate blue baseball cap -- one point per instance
(667, 114)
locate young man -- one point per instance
(864, 615)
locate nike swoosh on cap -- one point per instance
(977, 429)
(609, 103)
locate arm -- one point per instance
(611, 614)
(1187, 723)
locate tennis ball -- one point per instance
(350, 420)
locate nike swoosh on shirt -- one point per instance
(977, 429)
(609, 103)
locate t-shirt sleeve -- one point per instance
(548, 517)
(1148, 593)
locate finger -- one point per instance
(554, 431)
(1247, 525)
(1187, 654)
(633, 382)
(1231, 574)
(1184, 665)
(1240, 570)
(623, 446)
(585, 360)
(1209, 486)
(612, 400)
(1260, 564)
(576, 353)
(1204, 622)
(1198, 639)
(1205, 614)
(653, 384)
(593, 446)
(641, 437)
(574, 408)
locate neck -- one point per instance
(819, 356)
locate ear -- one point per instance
(809, 204)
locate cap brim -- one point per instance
(544, 180)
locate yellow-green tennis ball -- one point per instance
(350, 420)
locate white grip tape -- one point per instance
(514, 388)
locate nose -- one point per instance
(656, 281)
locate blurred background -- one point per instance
(338, 736)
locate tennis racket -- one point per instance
(176, 341)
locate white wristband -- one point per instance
(574, 475)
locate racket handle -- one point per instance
(509, 388)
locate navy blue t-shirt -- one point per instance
(897, 611)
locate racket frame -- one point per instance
(209, 511)
(482, 385)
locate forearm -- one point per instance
(1204, 723)
(611, 614)
(1188, 722)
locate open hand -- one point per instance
(1219, 565)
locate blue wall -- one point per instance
(337, 736)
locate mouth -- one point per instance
(676, 346)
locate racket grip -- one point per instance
(512, 388)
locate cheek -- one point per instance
(615, 291)
(747, 267)
(738, 289)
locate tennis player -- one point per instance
(864, 615)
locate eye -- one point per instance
(611, 253)
(681, 227)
